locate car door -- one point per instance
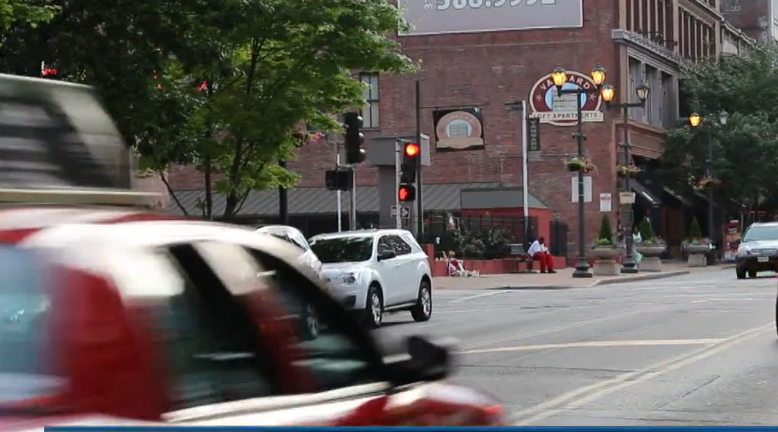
(405, 268)
(391, 279)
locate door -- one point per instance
(406, 268)
(391, 280)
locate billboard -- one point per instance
(472, 16)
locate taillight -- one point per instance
(495, 415)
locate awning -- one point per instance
(677, 196)
(641, 191)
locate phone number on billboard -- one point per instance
(478, 4)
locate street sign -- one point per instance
(405, 212)
(627, 197)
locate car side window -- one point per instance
(399, 245)
(299, 240)
(332, 350)
(385, 245)
(206, 338)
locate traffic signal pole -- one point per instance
(352, 220)
(337, 193)
(398, 158)
(419, 195)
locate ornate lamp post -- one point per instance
(695, 121)
(559, 77)
(642, 91)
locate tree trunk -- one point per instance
(208, 209)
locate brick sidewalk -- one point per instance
(562, 279)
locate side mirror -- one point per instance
(424, 360)
(386, 255)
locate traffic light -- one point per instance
(406, 193)
(411, 155)
(354, 139)
(340, 179)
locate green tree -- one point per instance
(745, 150)
(646, 230)
(15, 13)
(272, 66)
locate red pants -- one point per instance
(545, 260)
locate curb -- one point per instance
(642, 277)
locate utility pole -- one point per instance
(338, 195)
(419, 195)
(398, 224)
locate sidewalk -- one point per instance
(563, 279)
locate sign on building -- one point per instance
(587, 189)
(552, 108)
(471, 16)
(533, 134)
(459, 129)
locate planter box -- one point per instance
(695, 249)
(603, 253)
(606, 260)
(650, 250)
(697, 260)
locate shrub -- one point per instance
(695, 233)
(605, 236)
(646, 230)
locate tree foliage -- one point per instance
(646, 230)
(605, 236)
(269, 66)
(695, 232)
(745, 150)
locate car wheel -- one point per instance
(311, 322)
(374, 307)
(752, 274)
(422, 311)
(741, 273)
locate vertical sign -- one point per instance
(533, 134)
(605, 202)
(587, 189)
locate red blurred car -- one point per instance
(110, 314)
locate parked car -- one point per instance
(112, 316)
(374, 271)
(758, 250)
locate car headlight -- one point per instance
(744, 251)
(350, 278)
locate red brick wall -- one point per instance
(488, 70)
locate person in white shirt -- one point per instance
(539, 252)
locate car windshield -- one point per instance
(25, 370)
(761, 233)
(285, 236)
(343, 249)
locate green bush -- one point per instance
(605, 236)
(695, 233)
(646, 230)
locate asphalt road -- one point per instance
(699, 349)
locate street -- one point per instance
(699, 349)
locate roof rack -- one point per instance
(77, 196)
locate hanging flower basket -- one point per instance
(707, 182)
(624, 171)
(580, 164)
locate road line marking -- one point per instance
(598, 344)
(482, 295)
(590, 393)
(569, 326)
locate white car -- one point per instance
(376, 271)
(294, 236)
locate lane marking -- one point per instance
(581, 396)
(598, 344)
(572, 325)
(482, 295)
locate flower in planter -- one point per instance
(580, 164)
(647, 235)
(627, 170)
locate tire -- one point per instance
(422, 311)
(311, 324)
(374, 308)
(741, 273)
(752, 274)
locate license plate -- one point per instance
(763, 259)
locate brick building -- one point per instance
(478, 55)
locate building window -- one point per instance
(371, 93)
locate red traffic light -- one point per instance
(406, 193)
(412, 149)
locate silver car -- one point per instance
(295, 237)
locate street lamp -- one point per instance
(695, 120)
(559, 77)
(607, 93)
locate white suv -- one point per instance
(376, 271)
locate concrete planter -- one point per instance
(650, 250)
(698, 254)
(605, 263)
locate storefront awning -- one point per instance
(642, 192)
